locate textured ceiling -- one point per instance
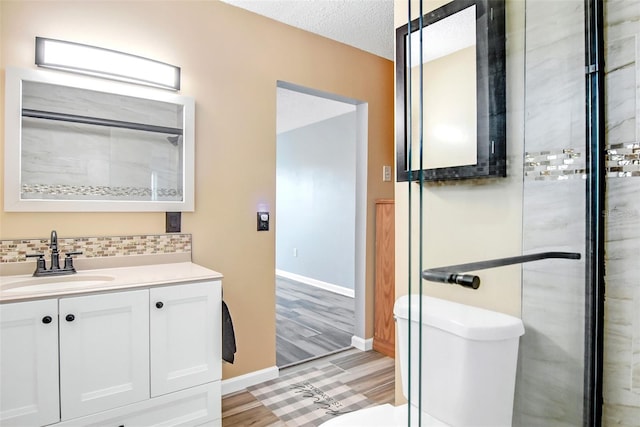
(364, 24)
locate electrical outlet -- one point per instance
(295, 252)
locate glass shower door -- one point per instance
(553, 358)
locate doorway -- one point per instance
(321, 213)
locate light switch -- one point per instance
(263, 221)
(386, 173)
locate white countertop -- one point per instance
(25, 287)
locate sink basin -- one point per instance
(36, 284)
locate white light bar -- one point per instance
(110, 64)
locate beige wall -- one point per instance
(448, 80)
(469, 220)
(230, 60)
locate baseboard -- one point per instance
(384, 347)
(361, 343)
(247, 380)
(317, 283)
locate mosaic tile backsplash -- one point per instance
(94, 247)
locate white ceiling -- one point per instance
(296, 109)
(364, 24)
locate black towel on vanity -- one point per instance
(228, 336)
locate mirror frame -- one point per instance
(13, 201)
(490, 89)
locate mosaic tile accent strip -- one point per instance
(567, 163)
(93, 247)
(623, 160)
(44, 191)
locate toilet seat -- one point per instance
(381, 416)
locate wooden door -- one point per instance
(384, 331)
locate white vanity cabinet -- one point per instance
(141, 357)
(104, 352)
(29, 363)
(186, 337)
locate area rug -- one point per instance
(309, 397)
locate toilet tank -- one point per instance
(469, 358)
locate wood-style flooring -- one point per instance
(369, 373)
(310, 322)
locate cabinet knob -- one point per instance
(46, 319)
(70, 317)
(159, 304)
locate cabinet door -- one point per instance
(29, 363)
(104, 351)
(185, 336)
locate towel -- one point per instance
(228, 336)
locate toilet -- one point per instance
(469, 358)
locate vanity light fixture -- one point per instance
(106, 63)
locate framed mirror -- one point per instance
(450, 93)
(83, 144)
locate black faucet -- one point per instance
(41, 266)
(55, 255)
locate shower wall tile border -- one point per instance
(15, 250)
(621, 160)
(549, 165)
(49, 191)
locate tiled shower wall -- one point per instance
(93, 247)
(622, 215)
(549, 389)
